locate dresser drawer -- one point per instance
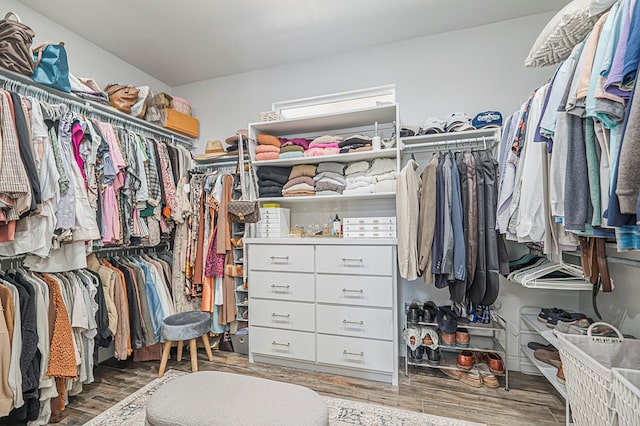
(369, 323)
(354, 290)
(362, 260)
(369, 228)
(285, 258)
(283, 343)
(282, 285)
(355, 353)
(390, 220)
(287, 315)
(370, 234)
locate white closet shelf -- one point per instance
(323, 198)
(546, 332)
(91, 107)
(341, 158)
(547, 371)
(337, 120)
(452, 137)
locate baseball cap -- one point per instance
(432, 125)
(487, 119)
(459, 121)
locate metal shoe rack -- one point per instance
(489, 337)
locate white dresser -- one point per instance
(325, 305)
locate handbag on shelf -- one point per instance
(122, 97)
(51, 66)
(15, 45)
(243, 210)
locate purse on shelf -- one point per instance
(243, 210)
(122, 97)
(51, 66)
(15, 45)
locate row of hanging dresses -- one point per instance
(203, 249)
(68, 183)
(569, 154)
(49, 328)
(446, 218)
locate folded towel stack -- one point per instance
(300, 182)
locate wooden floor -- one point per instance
(531, 400)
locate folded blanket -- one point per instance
(270, 192)
(260, 149)
(300, 193)
(361, 190)
(278, 174)
(316, 152)
(299, 187)
(289, 147)
(360, 178)
(329, 186)
(265, 139)
(382, 165)
(332, 175)
(340, 182)
(304, 143)
(361, 149)
(326, 139)
(356, 139)
(358, 184)
(359, 166)
(262, 156)
(385, 176)
(292, 154)
(303, 170)
(355, 148)
(300, 179)
(331, 166)
(324, 145)
(385, 186)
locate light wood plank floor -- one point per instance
(531, 400)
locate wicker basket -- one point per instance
(269, 116)
(626, 388)
(587, 362)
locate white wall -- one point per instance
(469, 70)
(85, 58)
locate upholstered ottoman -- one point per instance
(216, 398)
(185, 326)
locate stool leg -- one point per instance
(180, 346)
(165, 357)
(193, 348)
(207, 346)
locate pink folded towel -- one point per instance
(262, 156)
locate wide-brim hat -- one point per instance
(213, 149)
(233, 140)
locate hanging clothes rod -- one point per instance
(483, 142)
(24, 85)
(105, 251)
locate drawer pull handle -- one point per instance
(345, 352)
(280, 286)
(280, 315)
(279, 259)
(360, 323)
(352, 260)
(348, 290)
(281, 344)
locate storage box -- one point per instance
(181, 123)
(274, 223)
(240, 343)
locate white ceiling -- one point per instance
(184, 41)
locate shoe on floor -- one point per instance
(488, 378)
(548, 356)
(471, 378)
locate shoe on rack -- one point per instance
(466, 360)
(414, 313)
(429, 311)
(496, 365)
(535, 345)
(447, 339)
(488, 378)
(560, 374)
(566, 317)
(433, 356)
(462, 338)
(579, 327)
(548, 356)
(236, 242)
(543, 316)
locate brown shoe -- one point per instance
(462, 338)
(447, 339)
(427, 340)
(495, 362)
(471, 378)
(560, 374)
(466, 359)
(548, 356)
(488, 378)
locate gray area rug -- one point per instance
(131, 411)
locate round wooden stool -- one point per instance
(185, 326)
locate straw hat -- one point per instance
(212, 150)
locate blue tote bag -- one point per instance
(51, 66)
